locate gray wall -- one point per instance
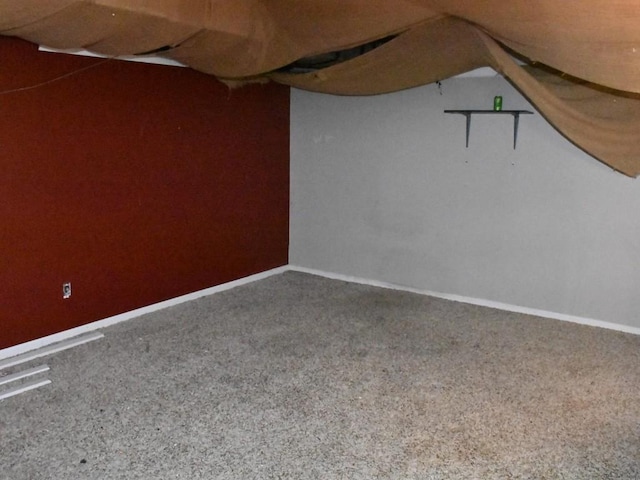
(384, 189)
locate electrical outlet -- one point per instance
(66, 290)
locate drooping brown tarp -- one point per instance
(583, 71)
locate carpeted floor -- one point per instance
(301, 377)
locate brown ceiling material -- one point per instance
(435, 50)
(105, 30)
(310, 27)
(15, 14)
(596, 40)
(233, 41)
(603, 122)
(250, 38)
(380, 46)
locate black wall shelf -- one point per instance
(516, 119)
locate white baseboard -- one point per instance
(73, 332)
(23, 374)
(50, 349)
(473, 301)
(25, 387)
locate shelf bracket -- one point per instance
(515, 113)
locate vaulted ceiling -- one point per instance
(581, 63)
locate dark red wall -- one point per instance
(135, 182)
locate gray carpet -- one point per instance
(301, 377)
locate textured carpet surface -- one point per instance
(301, 377)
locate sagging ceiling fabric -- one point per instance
(581, 59)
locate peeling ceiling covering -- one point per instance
(581, 62)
